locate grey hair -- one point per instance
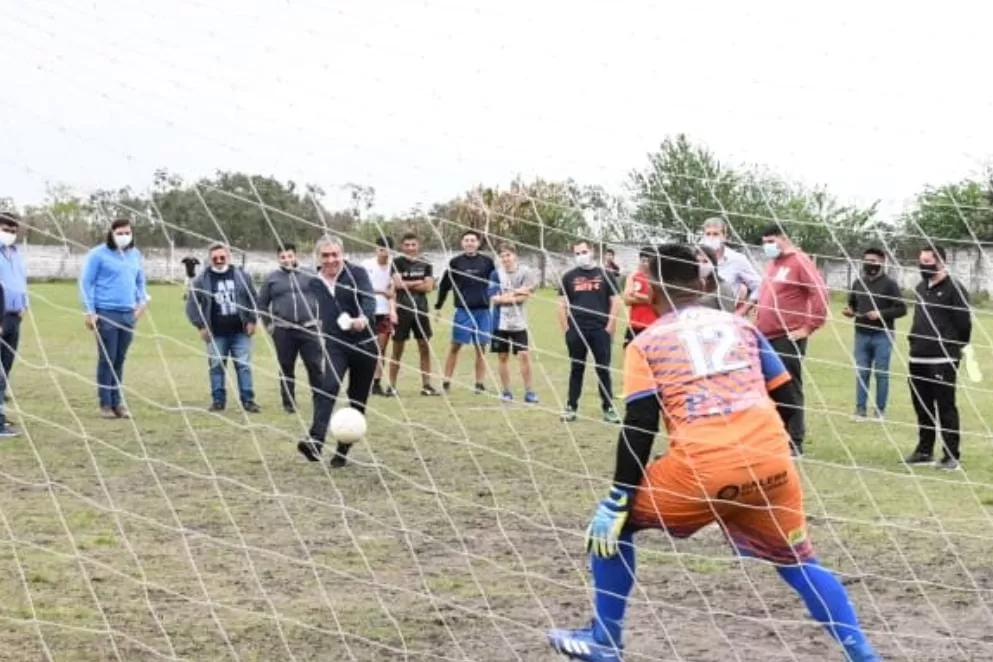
(716, 222)
(329, 240)
(216, 246)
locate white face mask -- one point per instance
(7, 238)
(122, 240)
(713, 243)
(771, 250)
(220, 269)
(584, 260)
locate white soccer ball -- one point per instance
(348, 425)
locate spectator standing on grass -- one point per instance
(468, 275)
(875, 302)
(346, 307)
(380, 270)
(792, 305)
(113, 293)
(413, 279)
(287, 307)
(190, 264)
(222, 307)
(640, 297)
(941, 328)
(13, 303)
(510, 287)
(587, 313)
(610, 265)
(733, 268)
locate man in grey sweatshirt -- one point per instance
(287, 308)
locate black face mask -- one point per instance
(872, 270)
(928, 270)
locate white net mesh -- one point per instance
(456, 531)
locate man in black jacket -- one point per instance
(942, 326)
(346, 306)
(875, 301)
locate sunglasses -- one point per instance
(330, 255)
(219, 260)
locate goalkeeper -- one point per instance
(712, 374)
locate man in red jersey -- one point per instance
(640, 297)
(792, 305)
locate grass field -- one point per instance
(457, 533)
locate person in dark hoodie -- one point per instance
(346, 308)
(941, 328)
(221, 306)
(288, 309)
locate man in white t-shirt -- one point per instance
(380, 271)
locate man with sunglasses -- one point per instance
(346, 308)
(222, 307)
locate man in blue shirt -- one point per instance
(222, 307)
(112, 289)
(468, 275)
(14, 280)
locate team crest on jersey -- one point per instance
(796, 537)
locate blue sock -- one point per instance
(827, 600)
(612, 582)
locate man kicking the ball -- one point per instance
(346, 306)
(719, 383)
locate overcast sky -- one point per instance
(423, 98)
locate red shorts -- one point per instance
(383, 325)
(759, 508)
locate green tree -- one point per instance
(959, 211)
(251, 212)
(685, 184)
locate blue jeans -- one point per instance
(872, 355)
(239, 348)
(115, 330)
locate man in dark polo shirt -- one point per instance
(587, 312)
(875, 302)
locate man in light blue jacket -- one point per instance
(14, 283)
(112, 289)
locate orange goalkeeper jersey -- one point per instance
(711, 372)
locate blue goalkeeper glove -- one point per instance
(607, 523)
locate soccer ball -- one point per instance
(348, 425)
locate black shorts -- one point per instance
(412, 323)
(505, 342)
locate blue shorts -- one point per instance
(472, 327)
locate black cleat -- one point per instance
(918, 457)
(310, 449)
(340, 457)
(251, 407)
(216, 406)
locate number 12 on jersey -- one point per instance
(709, 347)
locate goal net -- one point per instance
(456, 531)
(186, 531)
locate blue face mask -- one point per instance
(771, 250)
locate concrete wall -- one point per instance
(971, 266)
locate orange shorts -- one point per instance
(759, 508)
